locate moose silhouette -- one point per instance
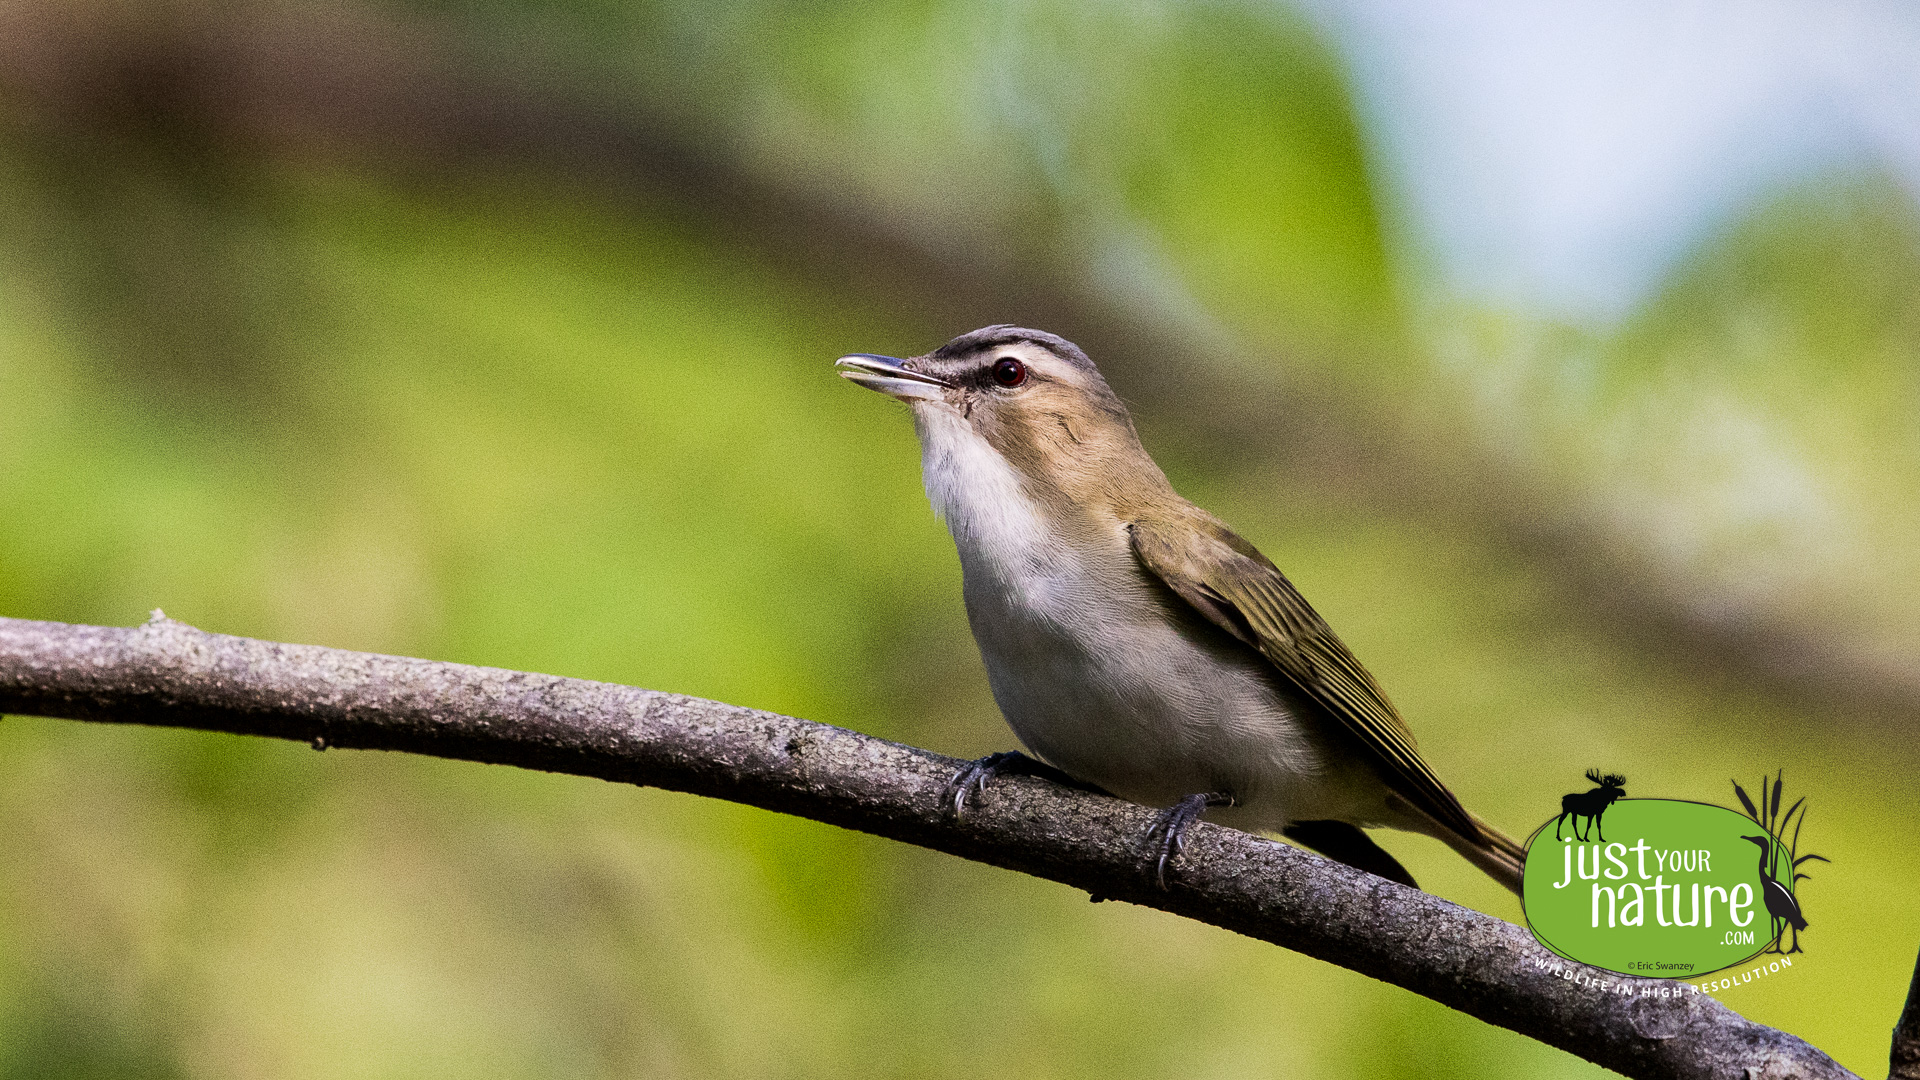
(1591, 804)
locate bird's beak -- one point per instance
(891, 377)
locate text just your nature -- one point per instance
(1626, 903)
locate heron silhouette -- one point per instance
(1780, 903)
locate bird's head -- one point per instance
(1765, 844)
(1031, 399)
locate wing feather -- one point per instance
(1235, 587)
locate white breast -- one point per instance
(1087, 668)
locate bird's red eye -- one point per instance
(1009, 372)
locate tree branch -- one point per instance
(167, 673)
(1904, 1061)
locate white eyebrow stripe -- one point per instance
(1039, 357)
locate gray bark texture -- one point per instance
(1903, 1062)
(167, 673)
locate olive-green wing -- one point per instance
(1234, 586)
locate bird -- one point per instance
(1138, 646)
(1781, 905)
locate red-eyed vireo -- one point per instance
(1136, 643)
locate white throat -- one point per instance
(994, 523)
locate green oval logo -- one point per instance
(1656, 888)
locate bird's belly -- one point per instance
(1110, 690)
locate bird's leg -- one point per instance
(1170, 829)
(975, 774)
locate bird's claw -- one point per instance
(1170, 828)
(974, 775)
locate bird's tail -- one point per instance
(1499, 855)
(1504, 860)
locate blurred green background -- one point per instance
(500, 333)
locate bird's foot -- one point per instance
(975, 774)
(1169, 832)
